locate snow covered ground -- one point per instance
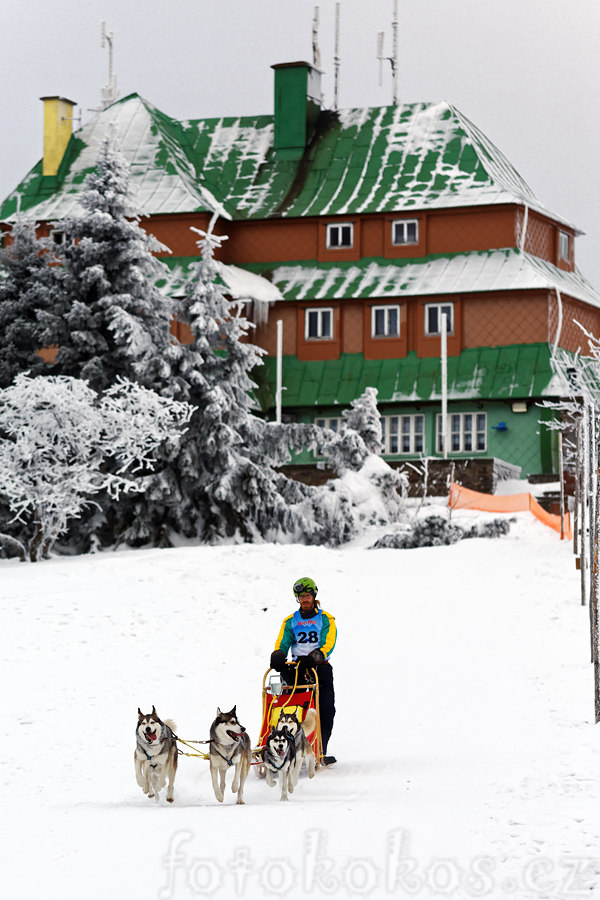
(468, 757)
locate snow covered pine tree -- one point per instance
(226, 465)
(113, 320)
(371, 489)
(29, 287)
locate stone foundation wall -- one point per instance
(477, 474)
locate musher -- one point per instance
(310, 634)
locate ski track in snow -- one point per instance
(464, 731)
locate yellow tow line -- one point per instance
(189, 744)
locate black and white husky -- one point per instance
(302, 748)
(155, 756)
(229, 746)
(279, 758)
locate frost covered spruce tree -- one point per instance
(359, 436)
(373, 490)
(61, 444)
(225, 466)
(30, 286)
(113, 321)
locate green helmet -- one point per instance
(304, 586)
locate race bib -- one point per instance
(307, 633)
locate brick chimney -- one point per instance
(58, 127)
(297, 106)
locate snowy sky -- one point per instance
(527, 72)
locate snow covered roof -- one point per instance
(240, 283)
(519, 371)
(381, 159)
(479, 271)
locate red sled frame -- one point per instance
(296, 698)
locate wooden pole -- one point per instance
(562, 486)
(591, 493)
(594, 602)
(585, 499)
(576, 497)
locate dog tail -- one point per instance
(309, 722)
(171, 724)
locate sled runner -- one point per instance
(279, 698)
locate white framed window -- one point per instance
(403, 434)
(433, 317)
(385, 321)
(333, 422)
(564, 246)
(318, 324)
(465, 433)
(340, 236)
(405, 231)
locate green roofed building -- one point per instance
(358, 230)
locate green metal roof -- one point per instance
(519, 371)
(381, 159)
(453, 273)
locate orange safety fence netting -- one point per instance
(464, 498)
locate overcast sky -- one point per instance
(527, 72)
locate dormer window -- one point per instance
(564, 246)
(318, 324)
(340, 236)
(405, 231)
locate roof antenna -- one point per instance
(315, 40)
(393, 59)
(336, 57)
(109, 93)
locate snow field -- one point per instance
(464, 731)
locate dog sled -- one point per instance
(279, 698)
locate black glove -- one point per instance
(315, 658)
(278, 660)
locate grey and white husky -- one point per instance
(300, 732)
(279, 758)
(155, 756)
(229, 746)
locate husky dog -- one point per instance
(155, 754)
(303, 750)
(279, 758)
(229, 746)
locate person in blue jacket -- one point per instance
(310, 634)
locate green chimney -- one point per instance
(297, 106)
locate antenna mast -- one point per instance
(393, 59)
(315, 40)
(109, 93)
(336, 57)
(395, 52)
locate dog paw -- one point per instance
(150, 796)
(169, 799)
(240, 803)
